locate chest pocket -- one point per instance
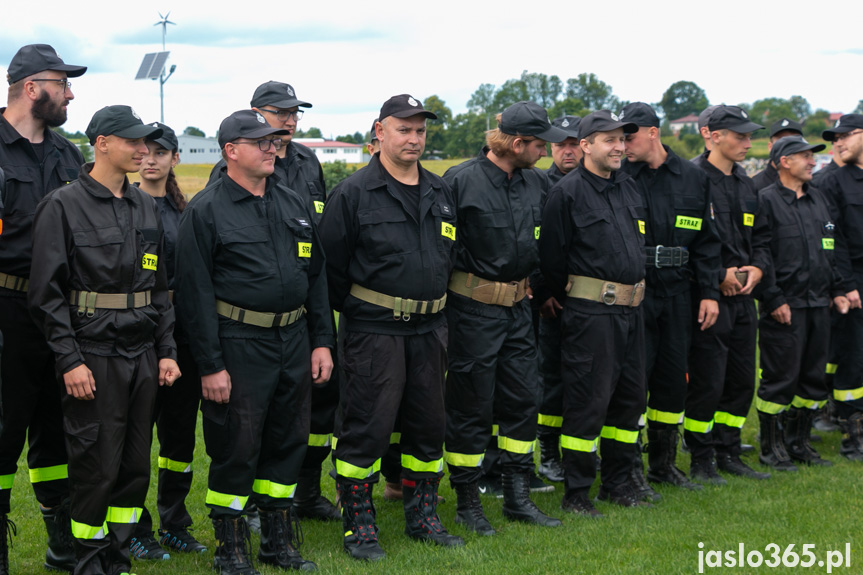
(639, 217)
(385, 231)
(748, 206)
(302, 233)
(688, 218)
(537, 222)
(97, 253)
(444, 227)
(247, 250)
(597, 232)
(487, 234)
(148, 248)
(17, 201)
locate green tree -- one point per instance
(768, 110)
(816, 123)
(859, 108)
(593, 92)
(509, 93)
(801, 107)
(568, 107)
(335, 172)
(681, 99)
(193, 131)
(465, 136)
(542, 89)
(436, 130)
(481, 103)
(310, 133)
(86, 151)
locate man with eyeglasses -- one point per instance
(35, 161)
(844, 186)
(248, 250)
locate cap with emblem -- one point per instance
(845, 124)
(168, 139)
(530, 119)
(246, 124)
(785, 125)
(277, 94)
(35, 58)
(732, 118)
(792, 145)
(568, 124)
(120, 121)
(640, 114)
(404, 106)
(603, 121)
(705, 115)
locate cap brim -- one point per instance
(139, 131)
(830, 135)
(744, 128)
(261, 132)
(293, 102)
(554, 135)
(71, 71)
(164, 143)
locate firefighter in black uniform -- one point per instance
(299, 169)
(493, 362)
(795, 297)
(389, 232)
(778, 129)
(566, 156)
(681, 248)
(35, 161)
(722, 358)
(250, 273)
(844, 186)
(98, 290)
(592, 257)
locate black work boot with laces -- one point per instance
(61, 548)
(469, 510)
(7, 530)
(234, 547)
(358, 521)
(798, 423)
(281, 537)
(661, 459)
(517, 504)
(421, 518)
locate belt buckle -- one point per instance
(608, 296)
(656, 257)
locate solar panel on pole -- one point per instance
(152, 66)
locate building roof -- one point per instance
(685, 119)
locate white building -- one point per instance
(198, 150)
(329, 151)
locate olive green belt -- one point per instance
(609, 293)
(402, 307)
(14, 282)
(89, 301)
(486, 291)
(258, 318)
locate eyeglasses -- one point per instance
(283, 115)
(264, 145)
(840, 137)
(65, 84)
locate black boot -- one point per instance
(308, 501)
(421, 518)
(639, 484)
(661, 456)
(469, 509)
(234, 547)
(7, 530)
(773, 451)
(281, 537)
(358, 521)
(61, 549)
(517, 504)
(852, 437)
(730, 462)
(550, 464)
(703, 469)
(798, 424)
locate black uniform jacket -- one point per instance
(676, 198)
(554, 175)
(85, 239)
(300, 171)
(765, 177)
(844, 188)
(258, 253)
(737, 218)
(803, 232)
(376, 241)
(592, 227)
(498, 217)
(28, 180)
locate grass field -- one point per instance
(815, 506)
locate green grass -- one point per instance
(817, 505)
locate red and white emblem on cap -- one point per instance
(260, 118)
(412, 102)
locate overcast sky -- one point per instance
(346, 58)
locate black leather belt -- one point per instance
(665, 257)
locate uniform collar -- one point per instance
(94, 188)
(238, 193)
(598, 183)
(671, 163)
(789, 195)
(9, 135)
(376, 177)
(497, 176)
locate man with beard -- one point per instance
(35, 160)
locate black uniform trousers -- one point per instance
(257, 441)
(30, 406)
(108, 441)
(668, 333)
(493, 377)
(793, 359)
(848, 379)
(176, 417)
(721, 379)
(325, 404)
(602, 358)
(387, 377)
(551, 403)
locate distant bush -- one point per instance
(335, 172)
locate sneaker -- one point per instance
(488, 485)
(537, 485)
(146, 547)
(180, 540)
(551, 469)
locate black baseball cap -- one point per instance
(705, 115)
(785, 125)
(792, 145)
(35, 58)
(568, 124)
(374, 134)
(603, 121)
(277, 94)
(530, 119)
(404, 106)
(640, 114)
(732, 118)
(845, 124)
(246, 124)
(120, 121)
(168, 139)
